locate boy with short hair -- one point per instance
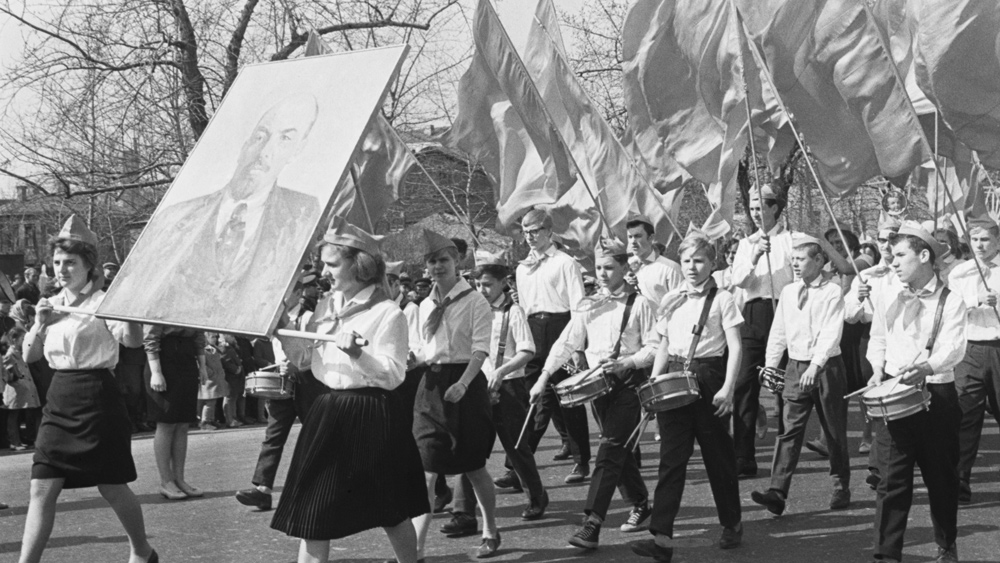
(808, 324)
(715, 362)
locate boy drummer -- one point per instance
(616, 325)
(918, 335)
(808, 324)
(715, 363)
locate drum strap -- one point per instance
(625, 318)
(504, 326)
(698, 328)
(936, 328)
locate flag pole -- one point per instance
(940, 177)
(465, 218)
(798, 138)
(361, 196)
(937, 184)
(534, 87)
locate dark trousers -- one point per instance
(679, 428)
(279, 424)
(831, 408)
(508, 417)
(133, 389)
(928, 439)
(616, 467)
(545, 329)
(757, 318)
(977, 380)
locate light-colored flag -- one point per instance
(838, 81)
(378, 168)
(503, 123)
(957, 59)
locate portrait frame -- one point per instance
(895, 202)
(222, 250)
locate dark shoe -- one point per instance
(153, 557)
(508, 481)
(731, 537)
(588, 536)
(840, 499)
(964, 492)
(817, 446)
(949, 555)
(489, 547)
(536, 510)
(460, 525)
(746, 469)
(563, 454)
(253, 497)
(579, 473)
(441, 502)
(648, 548)
(4, 506)
(636, 517)
(873, 479)
(771, 500)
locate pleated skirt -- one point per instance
(179, 362)
(85, 435)
(453, 438)
(355, 467)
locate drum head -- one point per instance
(890, 388)
(672, 375)
(577, 379)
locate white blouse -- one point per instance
(85, 342)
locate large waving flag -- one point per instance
(833, 73)
(503, 123)
(957, 60)
(378, 169)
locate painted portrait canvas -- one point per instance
(224, 245)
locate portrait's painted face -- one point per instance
(276, 140)
(71, 270)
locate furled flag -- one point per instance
(835, 77)
(503, 123)
(957, 59)
(378, 168)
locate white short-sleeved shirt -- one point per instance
(550, 282)
(464, 329)
(677, 326)
(965, 282)
(519, 337)
(83, 342)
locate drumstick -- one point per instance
(524, 427)
(639, 429)
(280, 332)
(860, 391)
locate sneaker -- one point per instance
(648, 548)
(579, 473)
(588, 536)
(639, 514)
(19, 448)
(460, 525)
(563, 454)
(841, 499)
(441, 502)
(865, 448)
(731, 537)
(949, 555)
(771, 500)
(207, 426)
(873, 479)
(253, 497)
(817, 446)
(489, 547)
(508, 481)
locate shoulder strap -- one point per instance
(502, 345)
(698, 328)
(625, 317)
(937, 320)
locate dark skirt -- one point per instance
(453, 438)
(85, 435)
(355, 467)
(179, 362)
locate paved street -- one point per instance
(216, 528)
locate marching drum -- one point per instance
(669, 391)
(772, 379)
(269, 385)
(582, 387)
(893, 400)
